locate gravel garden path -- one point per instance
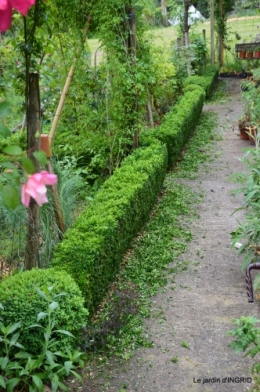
(190, 351)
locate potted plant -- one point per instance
(250, 54)
(243, 123)
(257, 53)
(242, 54)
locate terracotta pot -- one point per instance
(252, 132)
(257, 54)
(250, 55)
(242, 54)
(243, 134)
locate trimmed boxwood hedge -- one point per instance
(178, 124)
(21, 302)
(207, 81)
(93, 247)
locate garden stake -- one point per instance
(45, 146)
(249, 287)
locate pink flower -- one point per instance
(6, 11)
(35, 187)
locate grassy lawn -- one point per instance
(248, 29)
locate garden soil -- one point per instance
(190, 351)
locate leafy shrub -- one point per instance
(22, 303)
(177, 125)
(22, 369)
(207, 81)
(93, 247)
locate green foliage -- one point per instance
(248, 231)
(146, 269)
(21, 304)
(93, 247)
(247, 334)
(207, 81)
(177, 125)
(21, 368)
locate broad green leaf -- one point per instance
(10, 196)
(5, 109)
(32, 389)
(9, 165)
(13, 150)
(2, 382)
(28, 165)
(63, 386)
(78, 376)
(1, 306)
(55, 382)
(64, 332)
(41, 315)
(53, 306)
(41, 293)
(22, 354)
(12, 383)
(38, 383)
(41, 157)
(68, 366)
(3, 362)
(4, 131)
(13, 327)
(14, 338)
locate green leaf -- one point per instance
(2, 382)
(64, 332)
(53, 306)
(12, 383)
(41, 315)
(5, 109)
(14, 338)
(28, 165)
(13, 328)
(41, 293)
(13, 150)
(68, 366)
(63, 386)
(10, 196)
(4, 131)
(3, 362)
(78, 376)
(9, 165)
(38, 383)
(41, 157)
(55, 382)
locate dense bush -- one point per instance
(207, 81)
(93, 247)
(21, 302)
(178, 124)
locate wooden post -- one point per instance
(220, 37)
(204, 56)
(179, 42)
(212, 38)
(33, 113)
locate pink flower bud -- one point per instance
(35, 188)
(6, 11)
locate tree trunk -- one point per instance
(187, 4)
(164, 12)
(33, 113)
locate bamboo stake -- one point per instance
(45, 146)
(67, 84)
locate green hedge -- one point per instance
(207, 81)
(178, 124)
(21, 302)
(93, 247)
